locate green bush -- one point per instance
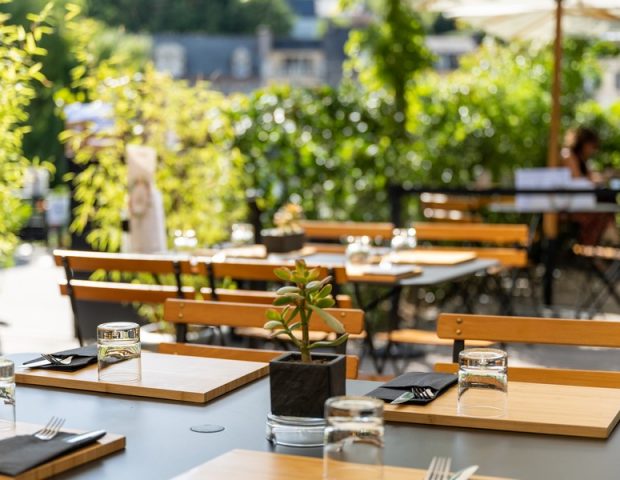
(18, 74)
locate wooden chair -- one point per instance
(317, 230)
(507, 243)
(602, 263)
(78, 262)
(184, 312)
(450, 208)
(463, 328)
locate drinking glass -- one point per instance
(353, 438)
(7, 395)
(483, 382)
(242, 234)
(358, 250)
(118, 352)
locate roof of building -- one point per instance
(210, 56)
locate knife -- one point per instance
(465, 474)
(85, 437)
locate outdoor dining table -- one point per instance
(160, 444)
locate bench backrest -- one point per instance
(326, 230)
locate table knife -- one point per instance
(88, 436)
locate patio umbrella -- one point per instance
(537, 20)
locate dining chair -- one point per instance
(551, 331)
(239, 315)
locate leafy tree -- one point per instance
(19, 72)
(198, 169)
(211, 16)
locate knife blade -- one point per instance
(82, 437)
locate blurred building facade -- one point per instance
(313, 53)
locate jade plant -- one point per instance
(308, 295)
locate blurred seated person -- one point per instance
(580, 145)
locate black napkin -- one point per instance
(437, 382)
(23, 452)
(82, 357)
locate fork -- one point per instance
(56, 361)
(50, 430)
(424, 393)
(439, 469)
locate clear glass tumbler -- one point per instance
(483, 382)
(358, 250)
(7, 395)
(118, 352)
(242, 234)
(353, 438)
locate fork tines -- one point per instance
(439, 469)
(51, 429)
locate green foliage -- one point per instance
(198, 169)
(211, 16)
(18, 74)
(309, 295)
(44, 118)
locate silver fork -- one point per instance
(439, 469)
(424, 393)
(50, 430)
(57, 361)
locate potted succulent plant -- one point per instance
(287, 236)
(301, 381)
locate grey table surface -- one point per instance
(431, 274)
(160, 444)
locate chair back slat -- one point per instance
(554, 376)
(247, 315)
(129, 292)
(260, 270)
(92, 261)
(496, 234)
(326, 230)
(529, 330)
(243, 354)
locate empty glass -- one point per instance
(353, 438)
(242, 234)
(483, 382)
(358, 250)
(7, 395)
(403, 239)
(118, 352)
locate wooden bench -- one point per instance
(460, 329)
(183, 313)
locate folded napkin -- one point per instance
(23, 452)
(438, 383)
(82, 357)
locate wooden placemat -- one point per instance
(171, 377)
(432, 257)
(376, 274)
(105, 446)
(244, 464)
(532, 407)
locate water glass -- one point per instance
(358, 250)
(7, 395)
(483, 382)
(403, 239)
(242, 234)
(118, 352)
(353, 438)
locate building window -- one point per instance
(298, 66)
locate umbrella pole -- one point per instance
(554, 135)
(550, 220)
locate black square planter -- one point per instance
(283, 243)
(301, 389)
